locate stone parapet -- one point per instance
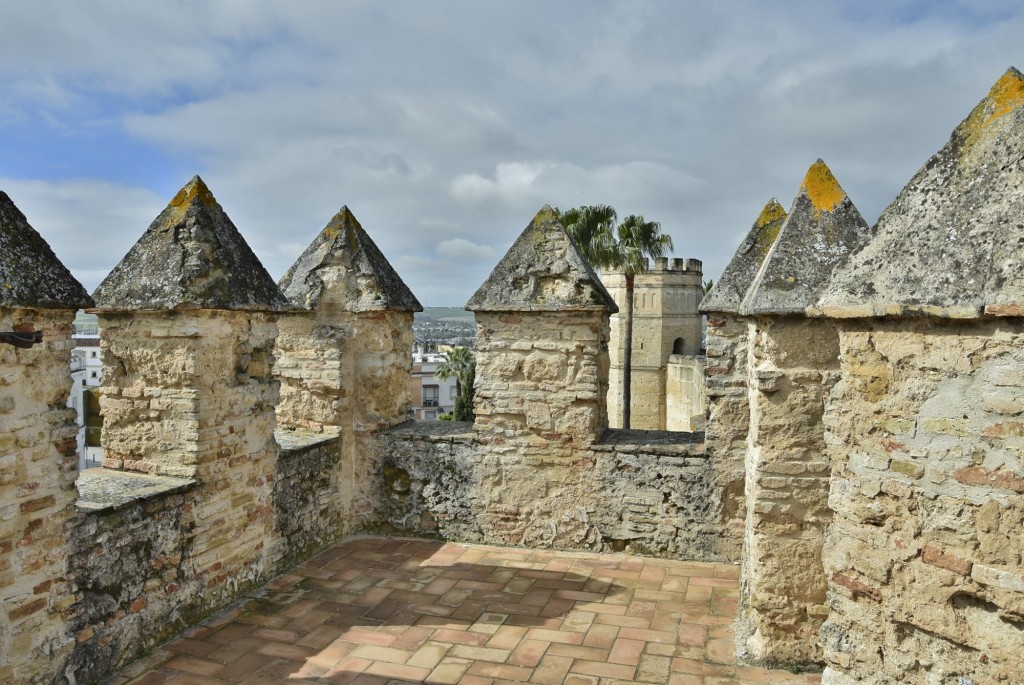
(644, 492)
(924, 554)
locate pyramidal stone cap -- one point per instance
(31, 276)
(190, 257)
(952, 242)
(822, 229)
(727, 293)
(543, 271)
(343, 257)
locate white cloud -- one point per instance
(460, 249)
(445, 126)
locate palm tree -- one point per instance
(591, 227)
(638, 239)
(634, 240)
(461, 363)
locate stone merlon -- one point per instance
(30, 273)
(343, 257)
(543, 271)
(727, 293)
(822, 229)
(191, 256)
(950, 244)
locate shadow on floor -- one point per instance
(376, 611)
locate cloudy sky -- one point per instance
(445, 125)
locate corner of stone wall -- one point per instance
(792, 366)
(728, 422)
(38, 466)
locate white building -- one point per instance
(431, 396)
(86, 373)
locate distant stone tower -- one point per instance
(665, 322)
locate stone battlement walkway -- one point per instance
(377, 611)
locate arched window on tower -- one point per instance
(677, 346)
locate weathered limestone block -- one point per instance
(791, 367)
(728, 422)
(542, 375)
(925, 555)
(187, 383)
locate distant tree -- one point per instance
(627, 247)
(461, 364)
(708, 285)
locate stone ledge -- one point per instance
(294, 440)
(108, 490)
(618, 437)
(433, 429)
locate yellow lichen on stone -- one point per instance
(822, 188)
(772, 211)
(769, 223)
(545, 215)
(1005, 96)
(193, 189)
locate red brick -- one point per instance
(858, 588)
(603, 670)
(626, 651)
(947, 560)
(1000, 478)
(555, 636)
(529, 652)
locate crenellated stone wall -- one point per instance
(133, 561)
(665, 322)
(136, 540)
(864, 443)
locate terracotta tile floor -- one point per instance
(379, 611)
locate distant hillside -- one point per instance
(443, 314)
